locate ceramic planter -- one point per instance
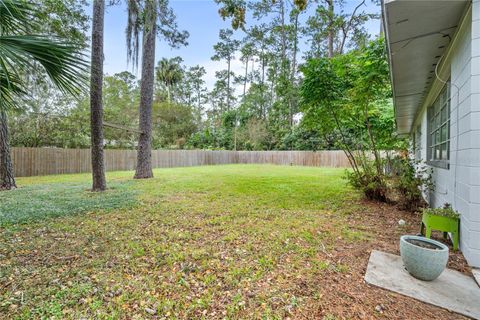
(424, 258)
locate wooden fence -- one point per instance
(45, 161)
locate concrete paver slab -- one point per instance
(453, 290)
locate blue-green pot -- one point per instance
(424, 263)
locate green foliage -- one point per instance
(347, 99)
(50, 119)
(373, 185)
(446, 211)
(234, 9)
(264, 95)
(21, 53)
(173, 123)
(142, 15)
(302, 138)
(202, 140)
(121, 95)
(66, 19)
(411, 181)
(336, 102)
(331, 21)
(168, 74)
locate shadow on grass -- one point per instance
(38, 202)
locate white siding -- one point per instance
(471, 223)
(460, 184)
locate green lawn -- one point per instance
(233, 241)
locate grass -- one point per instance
(39, 202)
(231, 241)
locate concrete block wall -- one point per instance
(468, 169)
(460, 184)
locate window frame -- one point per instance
(438, 123)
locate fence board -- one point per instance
(45, 161)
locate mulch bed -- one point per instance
(348, 296)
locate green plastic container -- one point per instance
(446, 224)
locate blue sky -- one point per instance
(201, 19)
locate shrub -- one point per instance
(410, 181)
(401, 181)
(373, 185)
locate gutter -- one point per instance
(390, 63)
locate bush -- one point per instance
(410, 181)
(402, 181)
(373, 185)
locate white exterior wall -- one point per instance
(460, 184)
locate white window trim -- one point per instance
(439, 162)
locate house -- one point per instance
(434, 52)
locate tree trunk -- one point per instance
(294, 66)
(199, 98)
(7, 178)
(96, 104)
(264, 107)
(245, 80)
(169, 98)
(331, 12)
(228, 85)
(378, 159)
(295, 47)
(144, 152)
(284, 36)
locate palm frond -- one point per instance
(15, 16)
(21, 53)
(63, 63)
(11, 89)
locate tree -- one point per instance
(120, 99)
(234, 9)
(174, 124)
(222, 94)
(258, 35)
(66, 19)
(169, 74)
(193, 92)
(331, 30)
(21, 53)
(143, 16)
(144, 153)
(225, 50)
(96, 104)
(195, 75)
(42, 120)
(346, 97)
(246, 51)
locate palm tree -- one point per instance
(96, 105)
(169, 73)
(21, 53)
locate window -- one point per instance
(439, 130)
